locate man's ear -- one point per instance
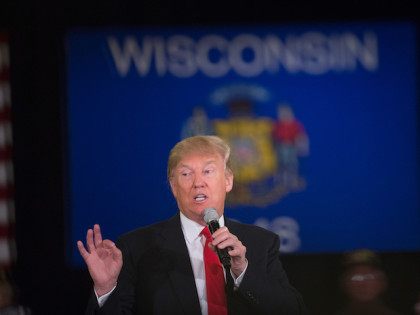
(172, 187)
(229, 180)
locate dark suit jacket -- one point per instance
(157, 276)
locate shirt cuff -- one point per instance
(103, 298)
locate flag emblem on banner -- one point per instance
(265, 149)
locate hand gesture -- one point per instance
(103, 259)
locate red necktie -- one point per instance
(215, 279)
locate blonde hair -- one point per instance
(210, 145)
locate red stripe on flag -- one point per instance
(6, 230)
(5, 113)
(6, 192)
(6, 153)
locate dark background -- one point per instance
(44, 280)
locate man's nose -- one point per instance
(198, 180)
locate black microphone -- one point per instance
(211, 218)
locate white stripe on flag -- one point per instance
(5, 253)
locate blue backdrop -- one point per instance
(351, 179)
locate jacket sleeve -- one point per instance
(121, 300)
(265, 288)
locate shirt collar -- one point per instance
(192, 229)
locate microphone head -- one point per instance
(210, 214)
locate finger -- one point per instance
(237, 250)
(82, 250)
(89, 241)
(108, 244)
(220, 231)
(234, 252)
(221, 236)
(229, 243)
(97, 234)
(117, 254)
(225, 240)
(115, 251)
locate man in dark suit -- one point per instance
(159, 269)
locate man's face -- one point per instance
(199, 182)
(364, 283)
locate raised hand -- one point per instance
(103, 259)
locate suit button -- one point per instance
(251, 297)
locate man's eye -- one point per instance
(209, 171)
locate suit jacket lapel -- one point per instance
(181, 274)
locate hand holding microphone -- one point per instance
(212, 219)
(229, 248)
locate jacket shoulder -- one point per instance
(147, 234)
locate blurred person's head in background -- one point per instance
(364, 282)
(8, 300)
(363, 279)
(6, 295)
(417, 305)
(6, 291)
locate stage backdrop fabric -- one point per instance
(322, 120)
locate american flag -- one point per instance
(7, 210)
